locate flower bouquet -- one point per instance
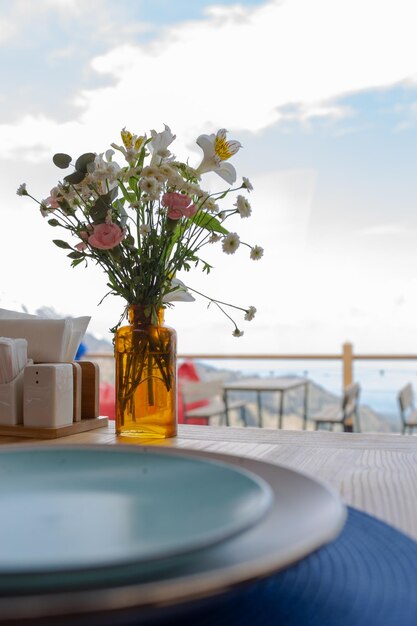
(143, 222)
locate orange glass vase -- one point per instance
(146, 386)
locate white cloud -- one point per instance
(90, 21)
(238, 72)
(237, 67)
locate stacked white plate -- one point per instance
(90, 529)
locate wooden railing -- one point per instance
(346, 356)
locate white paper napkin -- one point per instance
(49, 340)
(13, 358)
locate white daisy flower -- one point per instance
(201, 194)
(256, 253)
(166, 170)
(231, 243)
(144, 229)
(243, 206)
(149, 170)
(175, 180)
(237, 333)
(211, 206)
(151, 187)
(247, 184)
(214, 238)
(21, 190)
(250, 313)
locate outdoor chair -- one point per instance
(212, 392)
(408, 411)
(345, 414)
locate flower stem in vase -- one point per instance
(145, 377)
(150, 381)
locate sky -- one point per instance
(322, 94)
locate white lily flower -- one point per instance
(105, 171)
(216, 151)
(159, 146)
(178, 292)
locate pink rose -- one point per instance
(178, 205)
(106, 236)
(81, 246)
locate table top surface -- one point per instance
(376, 473)
(270, 383)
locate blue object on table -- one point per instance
(82, 349)
(366, 577)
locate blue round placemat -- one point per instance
(366, 577)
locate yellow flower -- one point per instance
(131, 141)
(225, 149)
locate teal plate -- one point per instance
(69, 513)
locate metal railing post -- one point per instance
(347, 360)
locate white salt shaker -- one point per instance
(48, 395)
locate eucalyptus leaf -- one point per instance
(113, 193)
(75, 178)
(62, 160)
(82, 162)
(106, 197)
(100, 209)
(61, 244)
(53, 222)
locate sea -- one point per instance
(380, 381)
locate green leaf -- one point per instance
(133, 183)
(61, 244)
(76, 262)
(129, 195)
(53, 222)
(208, 221)
(75, 178)
(62, 160)
(129, 240)
(82, 162)
(100, 208)
(75, 255)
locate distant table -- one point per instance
(279, 384)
